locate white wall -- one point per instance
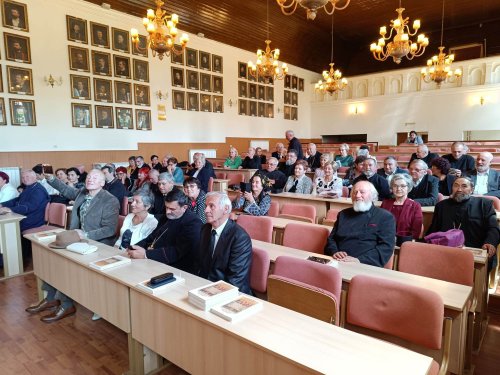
(47, 22)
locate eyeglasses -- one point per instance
(395, 187)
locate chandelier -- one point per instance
(401, 46)
(288, 7)
(439, 66)
(267, 64)
(162, 33)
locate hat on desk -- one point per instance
(63, 239)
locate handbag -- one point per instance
(452, 238)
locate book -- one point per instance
(81, 248)
(209, 295)
(110, 262)
(319, 259)
(148, 288)
(47, 236)
(237, 309)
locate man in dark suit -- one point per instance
(426, 187)
(175, 241)
(370, 174)
(294, 144)
(390, 168)
(313, 157)
(288, 167)
(280, 152)
(113, 184)
(225, 247)
(486, 180)
(423, 154)
(459, 160)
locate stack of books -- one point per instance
(213, 294)
(147, 287)
(47, 236)
(110, 262)
(237, 309)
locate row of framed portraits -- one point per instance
(245, 72)
(294, 83)
(15, 15)
(255, 109)
(103, 91)
(19, 80)
(81, 115)
(192, 101)
(22, 112)
(290, 113)
(199, 60)
(255, 91)
(291, 98)
(194, 80)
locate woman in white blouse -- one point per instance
(7, 191)
(329, 185)
(299, 182)
(323, 160)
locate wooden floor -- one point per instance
(77, 345)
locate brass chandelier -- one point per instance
(288, 7)
(401, 46)
(439, 66)
(162, 31)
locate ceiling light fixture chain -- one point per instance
(312, 7)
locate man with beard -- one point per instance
(288, 167)
(475, 216)
(486, 180)
(363, 233)
(370, 174)
(165, 186)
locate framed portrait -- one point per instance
(1, 80)
(17, 48)
(99, 35)
(177, 58)
(142, 48)
(242, 107)
(177, 77)
(104, 117)
(205, 61)
(261, 79)
(262, 109)
(217, 64)
(80, 87)
(295, 114)
(22, 112)
(217, 85)
(193, 103)
(124, 118)
(206, 82)
(301, 84)
(261, 92)
(252, 91)
(288, 82)
(270, 94)
(270, 110)
(287, 97)
(141, 95)
(205, 103)
(3, 116)
(242, 89)
(192, 57)
(123, 92)
(20, 80)
(192, 80)
(102, 90)
(101, 63)
(242, 70)
(81, 115)
(77, 29)
(251, 75)
(122, 66)
(218, 104)
(294, 82)
(120, 40)
(286, 113)
(178, 100)
(295, 98)
(15, 15)
(143, 119)
(141, 70)
(78, 59)
(252, 108)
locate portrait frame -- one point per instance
(287, 97)
(74, 64)
(94, 40)
(215, 86)
(205, 82)
(120, 112)
(294, 115)
(86, 121)
(143, 100)
(286, 112)
(137, 74)
(205, 61)
(295, 98)
(261, 92)
(24, 43)
(288, 82)
(217, 104)
(252, 108)
(301, 84)
(128, 92)
(117, 59)
(143, 46)
(192, 80)
(99, 109)
(1, 80)
(106, 95)
(269, 110)
(181, 103)
(217, 64)
(74, 81)
(252, 91)
(192, 58)
(250, 76)
(72, 35)
(178, 82)
(116, 45)
(177, 58)
(242, 107)
(3, 115)
(96, 69)
(22, 112)
(242, 70)
(242, 89)
(269, 93)
(138, 114)
(294, 82)
(261, 106)
(18, 87)
(193, 105)
(22, 9)
(205, 103)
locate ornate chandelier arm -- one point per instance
(285, 7)
(333, 3)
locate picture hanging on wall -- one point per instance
(124, 118)
(143, 117)
(99, 35)
(217, 64)
(177, 77)
(205, 61)
(218, 104)
(120, 40)
(103, 91)
(76, 29)
(122, 66)
(81, 115)
(3, 117)
(193, 101)
(141, 95)
(15, 15)
(177, 59)
(104, 117)
(101, 63)
(206, 82)
(123, 92)
(217, 85)
(142, 50)
(178, 100)
(205, 103)
(17, 48)
(20, 80)
(192, 57)
(78, 59)
(141, 70)
(22, 112)
(80, 87)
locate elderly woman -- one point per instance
(73, 178)
(355, 171)
(192, 189)
(344, 159)
(142, 180)
(440, 168)
(201, 171)
(323, 160)
(251, 161)
(233, 161)
(299, 182)
(407, 212)
(257, 201)
(329, 185)
(7, 191)
(175, 171)
(121, 174)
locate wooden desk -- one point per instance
(247, 173)
(10, 244)
(321, 204)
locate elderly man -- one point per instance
(113, 184)
(38, 169)
(165, 186)
(175, 241)
(370, 174)
(288, 167)
(312, 157)
(294, 144)
(363, 233)
(202, 170)
(390, 168)
(276, 177)
(280, 152)
(486, 180)
(94, 216)
(139, 162)
(459, 160)
(475, 216)
(426, 187)
(225, 247)
(423, 154)
(251, 161)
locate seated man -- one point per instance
(94, 216)
(251, 161)
(459, 160)
(165, 186)
(475, 216)
(280, 152)
(175, 241)
(312, 157)
(113, 184)
(363, 233)
(370, 174)
(276, 177)
(426, 187)
(390, 168)
(486, 180)
(225, 247)
(288, 167)
(423, 154)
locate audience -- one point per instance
(330, 185)
(39, 171)
(142, 179)
(414, 138)
(174, 170)
(277, 179)
(61, 175)
(323, 161)
(74, 178)
(113, 184)
(233, 161)
(280, 152)
(294, 144)
(423, 154)
(155, 164)
(165, 186)
(202, 170)
(370, 175)
(312, 157)
(390, 168)
(440, 168)
(355, 171)
(459, 160)
(132, 170)
(251, 161)
(192, 189)
(299, 182)
(7, 191)
(288, 167)
(121, 173)
(139, 162)
(257, 201)
(258, 152)
(486, 180)
(344, 159)
(425, 187)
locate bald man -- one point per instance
(486, 180)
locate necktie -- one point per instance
(293, 189)
(212, 242)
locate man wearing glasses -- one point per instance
(426, 187)
(276, 177)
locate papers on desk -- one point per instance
(148, 288)
(213, 294)
(110, 262)
(237, 309)
(81, 248)
(47, 236)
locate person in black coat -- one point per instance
(288, 167)
(379, 182)
(390, 168)
(113, 184)
(202, 170)
(313, 157)
(225, 247)
(176, 240)
(294, 144)
(426, 187)
(165, 186)
(459, 160)
(251, 161)
(276, 177)
(423, 154)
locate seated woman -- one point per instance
(323, 160)
(175, 171)
(299, 182)
(139, 223)
(61, 175)
(251, 161)
(7, 191)
(142, 180)
(344, 158)
(355, 170)
(440, 168)
(256, 202)
(201, 171)
(258, 152)
(233, 161)
(73, 177)
(121, 173)
(192, 189)
(407, 212)
(329, 185)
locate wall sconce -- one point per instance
(230, 103)
(481, 100)
(50, 81)
(161, 95)
(355, 109)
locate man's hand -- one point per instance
(81, 233)
(490, 248)
(5, 210)
(137, 252)
(340, 255)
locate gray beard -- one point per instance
(360, 206)
(368, 173)
(289, 162)
(459, 198)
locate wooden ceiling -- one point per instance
(242, 23)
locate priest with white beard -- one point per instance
(363, 233)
